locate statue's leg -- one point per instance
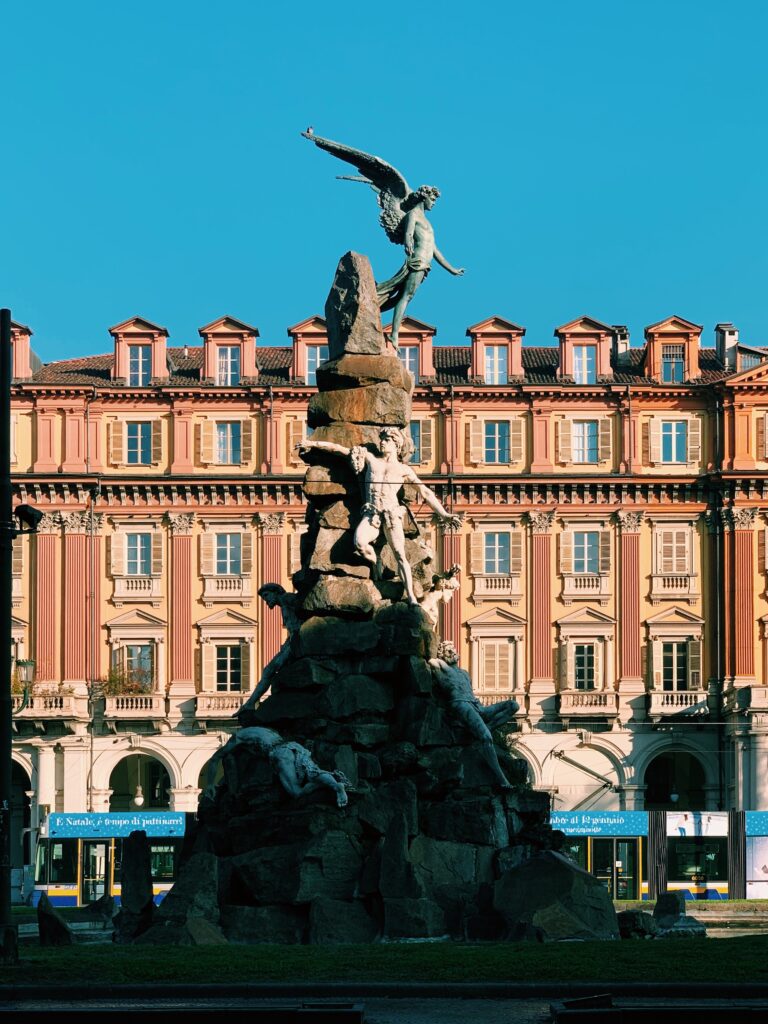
(396, 540)
(499, 714)
(365, 534)
(323, 780)
(478, 727)
(412, 282)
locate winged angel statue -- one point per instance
(403, 217)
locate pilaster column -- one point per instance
(739, 594)
(93, 643)
(541, 601)
(75, 777)
(760, 772)
(271, 525)
(629, 602)
(75, 598)
(183, 448)
(541, 460)
(74, 438)
(46, 776)
(450, 613)
(45, 444)
(180, 603)
(453, 446)
(45, 605)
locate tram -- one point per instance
(79, 856)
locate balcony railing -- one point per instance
(746, 698)
(495, 698)
(496, 587)
(586, 585)
(677, 586)
(219, 705)
(588, 702)
(227, 588)
(676, 702)
(51, 705)
(137, 588)
(135, 705)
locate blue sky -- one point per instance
(601, 158)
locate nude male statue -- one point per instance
(445, 586)
(479, 719)
(292, 763)
(383, 477)
(275, 596)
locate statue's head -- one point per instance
(426, 194)
(392, 440)
(271, 593)
(447, 652)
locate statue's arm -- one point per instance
(429, 496)
(409, 229)
(323, 446)
(456, 271)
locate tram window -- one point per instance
(163, 862)
(56, 862)
(698, 855)
(576, 848)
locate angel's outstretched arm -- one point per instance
(456, 271)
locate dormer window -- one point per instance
(672, 364)
(496, 364)
(409, 357)
(228, 366)
(316, 354)
(584, 364)
(139, 365)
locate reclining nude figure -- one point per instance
(383, 477)
(296, 772)
(479, 719)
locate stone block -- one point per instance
(368, 766)
(341, 595)
(349, 435)
(467, 819)
(286, 704)
(420, 676)
(440, 863)
(337, 516)
(407, 918)
(377, 810)
(328, 636)
(360, 734)
(334, 552)
(424, 723)
(52, 928)
(333, 922)
(353, 370)
(195, 892)
(550, 898)
(397, 876)
(636, 924)
(352, 308)
(327, 865)
(400, 759)
(302, 674)
(355, 694)
(669, 906)
(273, 924)
(322, 483)
(203, 933)
(379, 405)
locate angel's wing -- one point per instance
(386, 180)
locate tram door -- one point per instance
(615, 862)
(94, 880)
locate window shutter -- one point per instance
(476, 439)
(516, 440)
(294, 555)
(605, 552)
(564, 449)
(117, 554)
(598, 651)
(157, 553)
(296, 432)
(117, 442)
(667, 550)
(761, 547)
(694, 665)
(208, 682)
(654, 434)
(656, 656)
(18, 556)
(477, 554)
(694, 439)
(605, 439)
(246, 441)
(569, 667)
(207, 554)
(489, 665)
(426, 441)
(760, 453)
(516, 553)
(502, 675)
(157, 441)
(206, 441)
(645, 444)
(566, 551)
(245, 667)
(682, 556)
(247, 555)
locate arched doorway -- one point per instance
(139, 782)
(674, 781)
(21, 843)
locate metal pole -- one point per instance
(9, 952)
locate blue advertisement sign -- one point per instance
(756, 823)
(600, 823)
(93, 825)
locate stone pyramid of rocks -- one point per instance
(426, 833)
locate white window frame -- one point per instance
(232, 446)
(143, 442)
(139, 369)
(496, 364)
(501, 455)
(674, 585)
(316, 354)
(674, 702)
(228, 366)
(583, 355)
(587, 629)
(409, 357)
(586, 584)
(137, 588)
(234, 587)
(228, 554)
(677, 361)
(674, 426)
(583, 452)
(496, 586)
(142, 557)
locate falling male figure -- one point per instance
(383, 477)
(275, 596)
(480, 720)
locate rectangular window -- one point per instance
(496, 554)
(139, 365)
(747, 360)
(584, 666)
(229, 661)
(674, 441)
(672, 363)
(586, 551)
(316, 354)
(138, 444)
(496, 665)
(228, 443)
(674, 552)
(584, 364)
(675, 666)
(415, 428)
(138, 560)
(496, 364)
(496, 438)
(585, 441)
(138, 664)
(409, 357)
(229, 548)
(228, 365)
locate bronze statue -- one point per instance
(403, 217)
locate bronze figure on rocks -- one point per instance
(403, 217)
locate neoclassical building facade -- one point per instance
(613, 551)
